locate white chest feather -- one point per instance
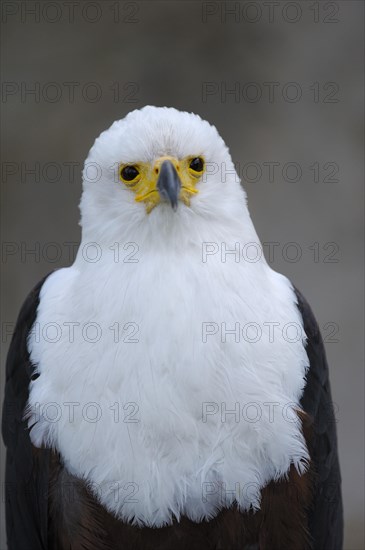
(168, 383)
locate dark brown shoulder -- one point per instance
(26, 476)
(325, 515)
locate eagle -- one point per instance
(169, 390)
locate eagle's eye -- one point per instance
(197, 165)
(129, 173)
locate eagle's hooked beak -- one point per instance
(169, 183)
(168, 178)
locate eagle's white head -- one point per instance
(156, 170)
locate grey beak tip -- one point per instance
(169, 184)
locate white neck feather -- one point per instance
(165, 437)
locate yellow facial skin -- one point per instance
(144, 185)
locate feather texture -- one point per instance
(206, 383)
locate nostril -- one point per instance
(156, 170)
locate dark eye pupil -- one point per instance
(129, 173)
(197, 164)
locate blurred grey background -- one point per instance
(283, 83)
